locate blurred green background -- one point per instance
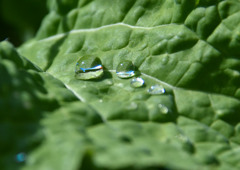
(20, 19)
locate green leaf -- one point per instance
(188, 47)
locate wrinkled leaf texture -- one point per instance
(191, 47)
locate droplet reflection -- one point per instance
(156, 89)
(137, 82)
(88, 67)
(163, 109)
(125, 69)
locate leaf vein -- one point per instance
(57, 36)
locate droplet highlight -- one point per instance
(125, 69)
(163, 109)
(137, 82)
(20, 157)
(156, 89)
(88, 67)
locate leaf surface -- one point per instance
(189, 47)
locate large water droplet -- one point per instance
(156, 89)
(137, 82)
(163, 109)
(20, 157)
(125, 69)
(88, 67)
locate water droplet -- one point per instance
(88, 67)
(20, 157)
(125, 69)
(163, 109)
(156, 89)
(137, 82)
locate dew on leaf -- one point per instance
(163, 109)
(88, 67)
(137, 82)
(20, 157)
(125, 69)
(156, 89)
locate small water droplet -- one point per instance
(156, 89)
(20, 157)
(88, 67)
(163, 108)
(125, 69)
(137, 82)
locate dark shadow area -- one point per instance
(107, 75)
(53, 51)
(20, 20)
(88, 164)
(25, 97)
(24, 100)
